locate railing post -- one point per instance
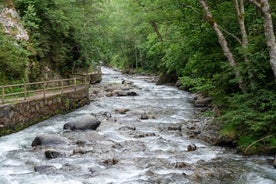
(44, 89)
(61, 86)
(3, 94)
(25, 91)
(75, 84)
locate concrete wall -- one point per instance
(15, 117)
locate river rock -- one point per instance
(144, 116)
(178, 83)
(124, 93)
(81, 151)
(110, 162)
(144, 135)
(121, 111)
(50, 154)
(191, 147)
(49, 139)
(216, 171)
(202, 101)
(132, 93)
(180, 165)
(106, 115)
(84, 122)
(127, 82)
(41, 168)
(174, 128)
(127, 128)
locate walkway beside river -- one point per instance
(37, 90)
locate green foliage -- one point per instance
(196, 84)
(13, 59)
(50, 30)
(252, 115)
(63, 33)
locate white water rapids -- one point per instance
(126, 149)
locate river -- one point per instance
(127, 148)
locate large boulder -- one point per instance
(84, 122)
(49, 139)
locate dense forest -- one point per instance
(224, 49)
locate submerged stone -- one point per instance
(43, 168)
(50, 154)
(49, 139)
(191, 147)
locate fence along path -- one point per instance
(27, 91)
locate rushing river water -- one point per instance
(127, 148)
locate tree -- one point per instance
(223, 43)
(240, 11)
(263, 5)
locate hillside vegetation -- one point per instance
(60, 40)
(224, 49)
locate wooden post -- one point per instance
(25, 91)
(75, 84)
(3, 94)
(44, 89)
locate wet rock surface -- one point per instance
(84, 122)
(208, 131)
(51, 154)
(49, 139)
(43, 168)
(191, 147)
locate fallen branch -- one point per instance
(248, 147)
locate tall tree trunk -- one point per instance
(223, 43)
(263, 5)
(239, 6)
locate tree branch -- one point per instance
(256, 3)
(231, 34)
(266, 137)
(155, 28)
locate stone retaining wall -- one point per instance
(15, 117)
